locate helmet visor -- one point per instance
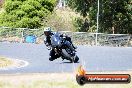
(46, 33)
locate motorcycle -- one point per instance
(62, 48)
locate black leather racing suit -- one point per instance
(52, 54)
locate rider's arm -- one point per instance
(68, 39)
(47, 40)
(47, 43)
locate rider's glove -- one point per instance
(49, 47)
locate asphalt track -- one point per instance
(93, 58)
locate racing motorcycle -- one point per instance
(62, 49)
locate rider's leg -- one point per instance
(69, 39)
(53, 56)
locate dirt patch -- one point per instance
(7, 63)
(4, 62)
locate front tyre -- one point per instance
(76, 58)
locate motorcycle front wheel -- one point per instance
(75, 59)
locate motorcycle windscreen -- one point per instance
(55, 40)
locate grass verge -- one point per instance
(52, 80)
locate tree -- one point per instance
(26, 13)
(114, 17)
(83, 7)
(82, 25)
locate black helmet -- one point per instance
(47, 31)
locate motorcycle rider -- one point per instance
(48, 33)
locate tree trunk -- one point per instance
(113, 30)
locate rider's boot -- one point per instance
(51, 58)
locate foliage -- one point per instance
(61, 20)
(82, 25)
(81, 6)
(26, 13)
(114, 16)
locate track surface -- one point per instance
(93, 58)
